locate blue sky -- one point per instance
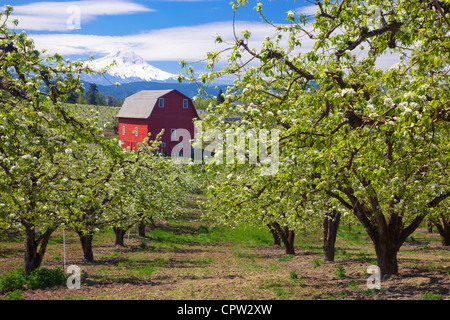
(161, 31)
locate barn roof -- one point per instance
(140, 105)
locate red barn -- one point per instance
(154, 110)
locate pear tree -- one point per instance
(375, 137)
(35, 129)
(147, 186)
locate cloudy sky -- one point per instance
(163, 32)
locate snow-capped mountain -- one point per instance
(128, 67)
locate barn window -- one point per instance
(123, 130)
(185, 103)
(173, 133)
(161, 102)
(136, 132)
(163, 144)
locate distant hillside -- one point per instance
(127, 89)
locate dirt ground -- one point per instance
(154, 270)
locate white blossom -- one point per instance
(395, 66)
(388, 102)
(290, 14)
(414, 105)
(347, 91)
(409, 95)
(407, 110)
(403, 105)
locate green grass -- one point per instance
(316, 263)
(15, 295)
(339, 272)
(353, 284)
(284, 289)
(111, 255)
(370, 292)
(278, 287)
(252, 236)
(59, 239)
(220, 253)
(356, 235)
(142, 268)
(287, 257)
(342, 254)
(429, 267)
(200, 262)
(432, 296)
(246, 255)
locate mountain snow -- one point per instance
(129, 67)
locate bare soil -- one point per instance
(147, 269)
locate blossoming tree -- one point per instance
(376, 139)
(147, 186)
(35, 129)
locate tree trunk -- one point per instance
(330, 228)
(141, 229)
(86, 245)
(120, 235)
(387, 235)
(445, 238)
(35, 248)
(276, 237)
(287, 236)
(289, 242)
(388, 232)
(430, 227)
(386, 252)
(443, 226)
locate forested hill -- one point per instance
(127, 89)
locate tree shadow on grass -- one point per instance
(8, 252)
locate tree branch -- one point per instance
(392, 27)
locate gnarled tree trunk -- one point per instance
(120, 235)
(387, 232)
(141, 229)
(330, 228)
(35, 248)
(386, 250)
(443, 226)
(276, 237)
(287, 236)
(86, 245)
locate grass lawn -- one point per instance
(186, 259)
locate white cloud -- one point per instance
(189, 43)
(170, 44)
(308, 10)
(59, 16)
